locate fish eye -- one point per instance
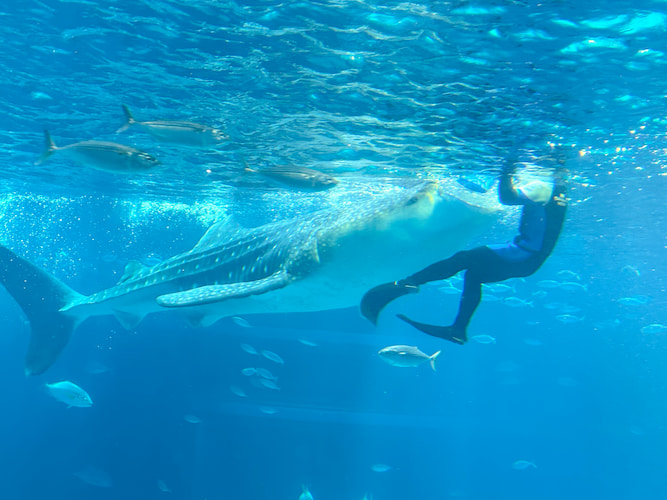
(411, 201)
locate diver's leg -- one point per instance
(377, 298)
(443, 269)
(485, 264)
(470, 299)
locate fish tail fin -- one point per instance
(129, 120)
(50, 148)
(41, 297)
(246, 167)
(433, 359)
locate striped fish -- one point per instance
(177, 132)
(101, 155)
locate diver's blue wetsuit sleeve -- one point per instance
(507, 193)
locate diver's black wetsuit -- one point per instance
(541, 224)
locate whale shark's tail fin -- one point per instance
(41, 297)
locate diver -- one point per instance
(543, 213)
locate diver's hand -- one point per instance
(559, 153)
(509, 165)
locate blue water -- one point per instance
(372, 93)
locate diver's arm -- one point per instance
(507, 193)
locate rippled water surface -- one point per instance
(352, 88)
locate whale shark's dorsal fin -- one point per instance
(132, 269)
(217, 293)
(217, 232)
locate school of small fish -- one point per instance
(562, 295)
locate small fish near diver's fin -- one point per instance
(50, 148)
(377, 298)
(217, 293)
(41, 297)
(129, 120)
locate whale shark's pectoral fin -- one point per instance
(217, 293)
(127, 319)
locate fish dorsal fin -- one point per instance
(221, 230)
(132, 269)
(217, 293)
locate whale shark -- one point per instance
(321, 261)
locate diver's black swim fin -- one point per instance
(377, 298)
(444, 332)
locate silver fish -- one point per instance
(569, 318)
(177, 132)
(483, 339)
(517, 302)
(523, 465)
(498, 288)
(653, 329)
(162, 486)
(291, 176)
(94, 477)
(264, 373)
(272, 356)
(69, 393)
(573, 286)
(381, 467)
(192, 419)
(249, 349)
(406, 356)
(249, 372)
(637, 300)
(548, 283)
(101, 155)
(269, 384)
(238, 391)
